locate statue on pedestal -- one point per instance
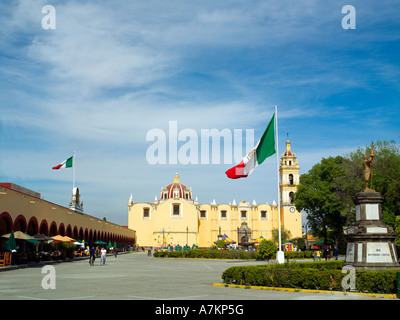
(370, 242)
(367, 168)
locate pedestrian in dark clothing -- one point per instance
(335, 254)
(92, 253)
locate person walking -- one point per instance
(92, 253)
(335, 253)
(318, 255)
(115, 252)
(326, 253)
(103, 256)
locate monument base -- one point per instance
(370, 243)
(280, 257)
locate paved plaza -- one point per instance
(139, 277)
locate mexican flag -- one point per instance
(65, 164)
(264, 149)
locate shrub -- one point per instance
(266, 250)
(376, 281)
(208, 254)
(310, 275)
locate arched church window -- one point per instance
(291, 197)
(290, 179)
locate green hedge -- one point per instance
(298, 254)
(310, 275)
(227, 254)
(208, 254)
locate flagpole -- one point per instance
(279, 255)
(73, 172)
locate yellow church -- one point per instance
(177, 219)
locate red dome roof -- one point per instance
(288, 152)
(176, 185)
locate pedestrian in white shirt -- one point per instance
(103, 256)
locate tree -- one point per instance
(326, 192)
(322, 194)
(221, 244)
(285, 235)
(397, 229)
(266, 249)
(385, 175)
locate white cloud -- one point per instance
(112, 70)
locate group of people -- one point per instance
(103, 254)
(327, 253)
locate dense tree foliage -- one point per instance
(321, 195)
(285, 235)
(326, 192)
(385, 175)
(266, 250)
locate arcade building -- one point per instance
(24, 210)
(178, 219)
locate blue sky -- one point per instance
(113, 70)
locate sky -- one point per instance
(112, 72)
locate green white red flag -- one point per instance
(65, 164)
(264, 149)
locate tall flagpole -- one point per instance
(73, 172)
(279, 255)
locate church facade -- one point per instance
(178, 219)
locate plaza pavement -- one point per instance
(135, 276)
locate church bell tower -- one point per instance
(289, 180)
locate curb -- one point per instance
(373, 295)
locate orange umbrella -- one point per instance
(59, 238)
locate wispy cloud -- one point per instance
(112, 70)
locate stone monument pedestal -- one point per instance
(370, 242)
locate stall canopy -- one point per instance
(21, 236)
(260, 238)
(10, 243)
(42, 237)
(321, 243)
(227, 238)
(60, 238)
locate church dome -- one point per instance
(176, 190)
